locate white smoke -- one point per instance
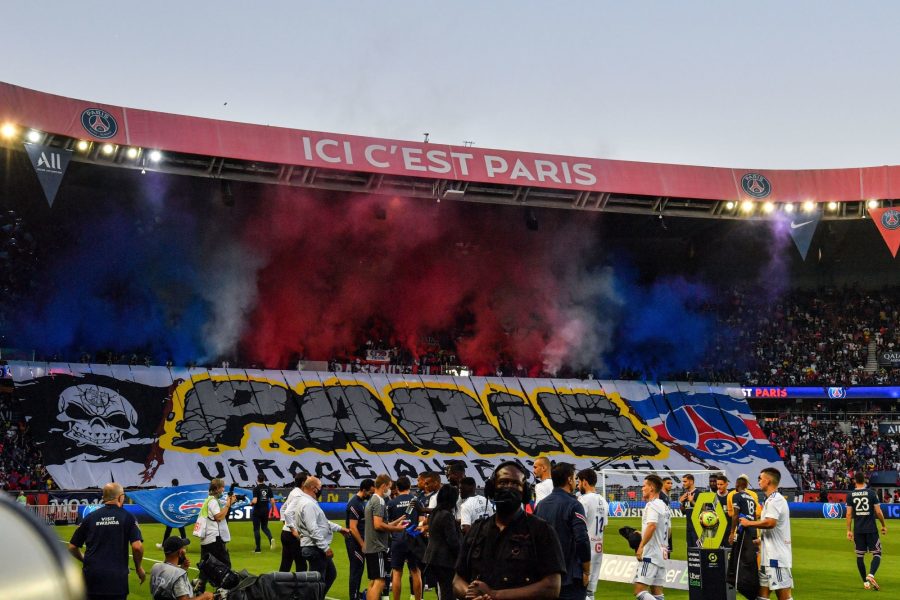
(229, 284)
(588, 314)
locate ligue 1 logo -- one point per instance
(756, 185)
(890, 219)
(99, 123)
(837, 393)
(832, 511)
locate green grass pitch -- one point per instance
(824, 560)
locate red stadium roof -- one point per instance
(223, 149)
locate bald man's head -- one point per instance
(312, 486)
(112, 492)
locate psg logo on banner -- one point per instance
(837, 393)
(99, 123)
(890, 219)
(756, 185)
(832, 510)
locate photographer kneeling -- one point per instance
(217, 534)
(169, 579)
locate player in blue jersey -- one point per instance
(862, 509)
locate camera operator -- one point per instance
(169, 579)
(217, 533)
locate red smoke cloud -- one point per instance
(332, 267)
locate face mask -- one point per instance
(507, 501)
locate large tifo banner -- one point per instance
(144, 426)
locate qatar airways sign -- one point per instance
(430, 160)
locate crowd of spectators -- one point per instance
(826, 454)
(21, 466)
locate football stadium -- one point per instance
(189, 301)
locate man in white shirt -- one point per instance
(654, 546)
(775, 559)
(290, 541)
(596, 512)
(542, 474)
(315, 531)
(473, 506)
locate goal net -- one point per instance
(624, 485)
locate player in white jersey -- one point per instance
(544, 484)
(473, 507)
(775, 531)
(654, 547)
(596, 512)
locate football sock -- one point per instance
(660, 597)
(861, 565)
(876, 562)
(645, 595)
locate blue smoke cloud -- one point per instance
(121, 281)
(662, 328)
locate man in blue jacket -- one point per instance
(566, 515)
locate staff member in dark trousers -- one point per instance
(290, 543)
(356, 541)
(443, 541)
(404, 505)
(108, 532)
(511, 551)
(263, 503)
(566, 515)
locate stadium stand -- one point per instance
(824, 454)
(21, 465)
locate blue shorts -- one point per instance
(401, 554)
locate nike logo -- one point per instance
(796, 225)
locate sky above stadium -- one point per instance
(762, 85)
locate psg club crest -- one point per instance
(837, 393)
(618, 509)
(756, 185)
(891, 219)
(832, 510)
(99, 123)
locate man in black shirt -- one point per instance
(511, 551)
(566, 515)
(108, 532)
(355, 542)
(688, 499)
(404, 504)
(862, 509)
(263, 503)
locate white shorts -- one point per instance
(776, 578)
(650, 574)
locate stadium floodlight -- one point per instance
(747, 206)
(8, 130)
(453, 194)
(82, 146)
(768, 207)
(108, 149)
(788, 208)
(729, 205)
(872, 203)
(155, 155)
(809, 206)
(132, 153)
(832, 205)
(34, 136)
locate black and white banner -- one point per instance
(149, 425)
